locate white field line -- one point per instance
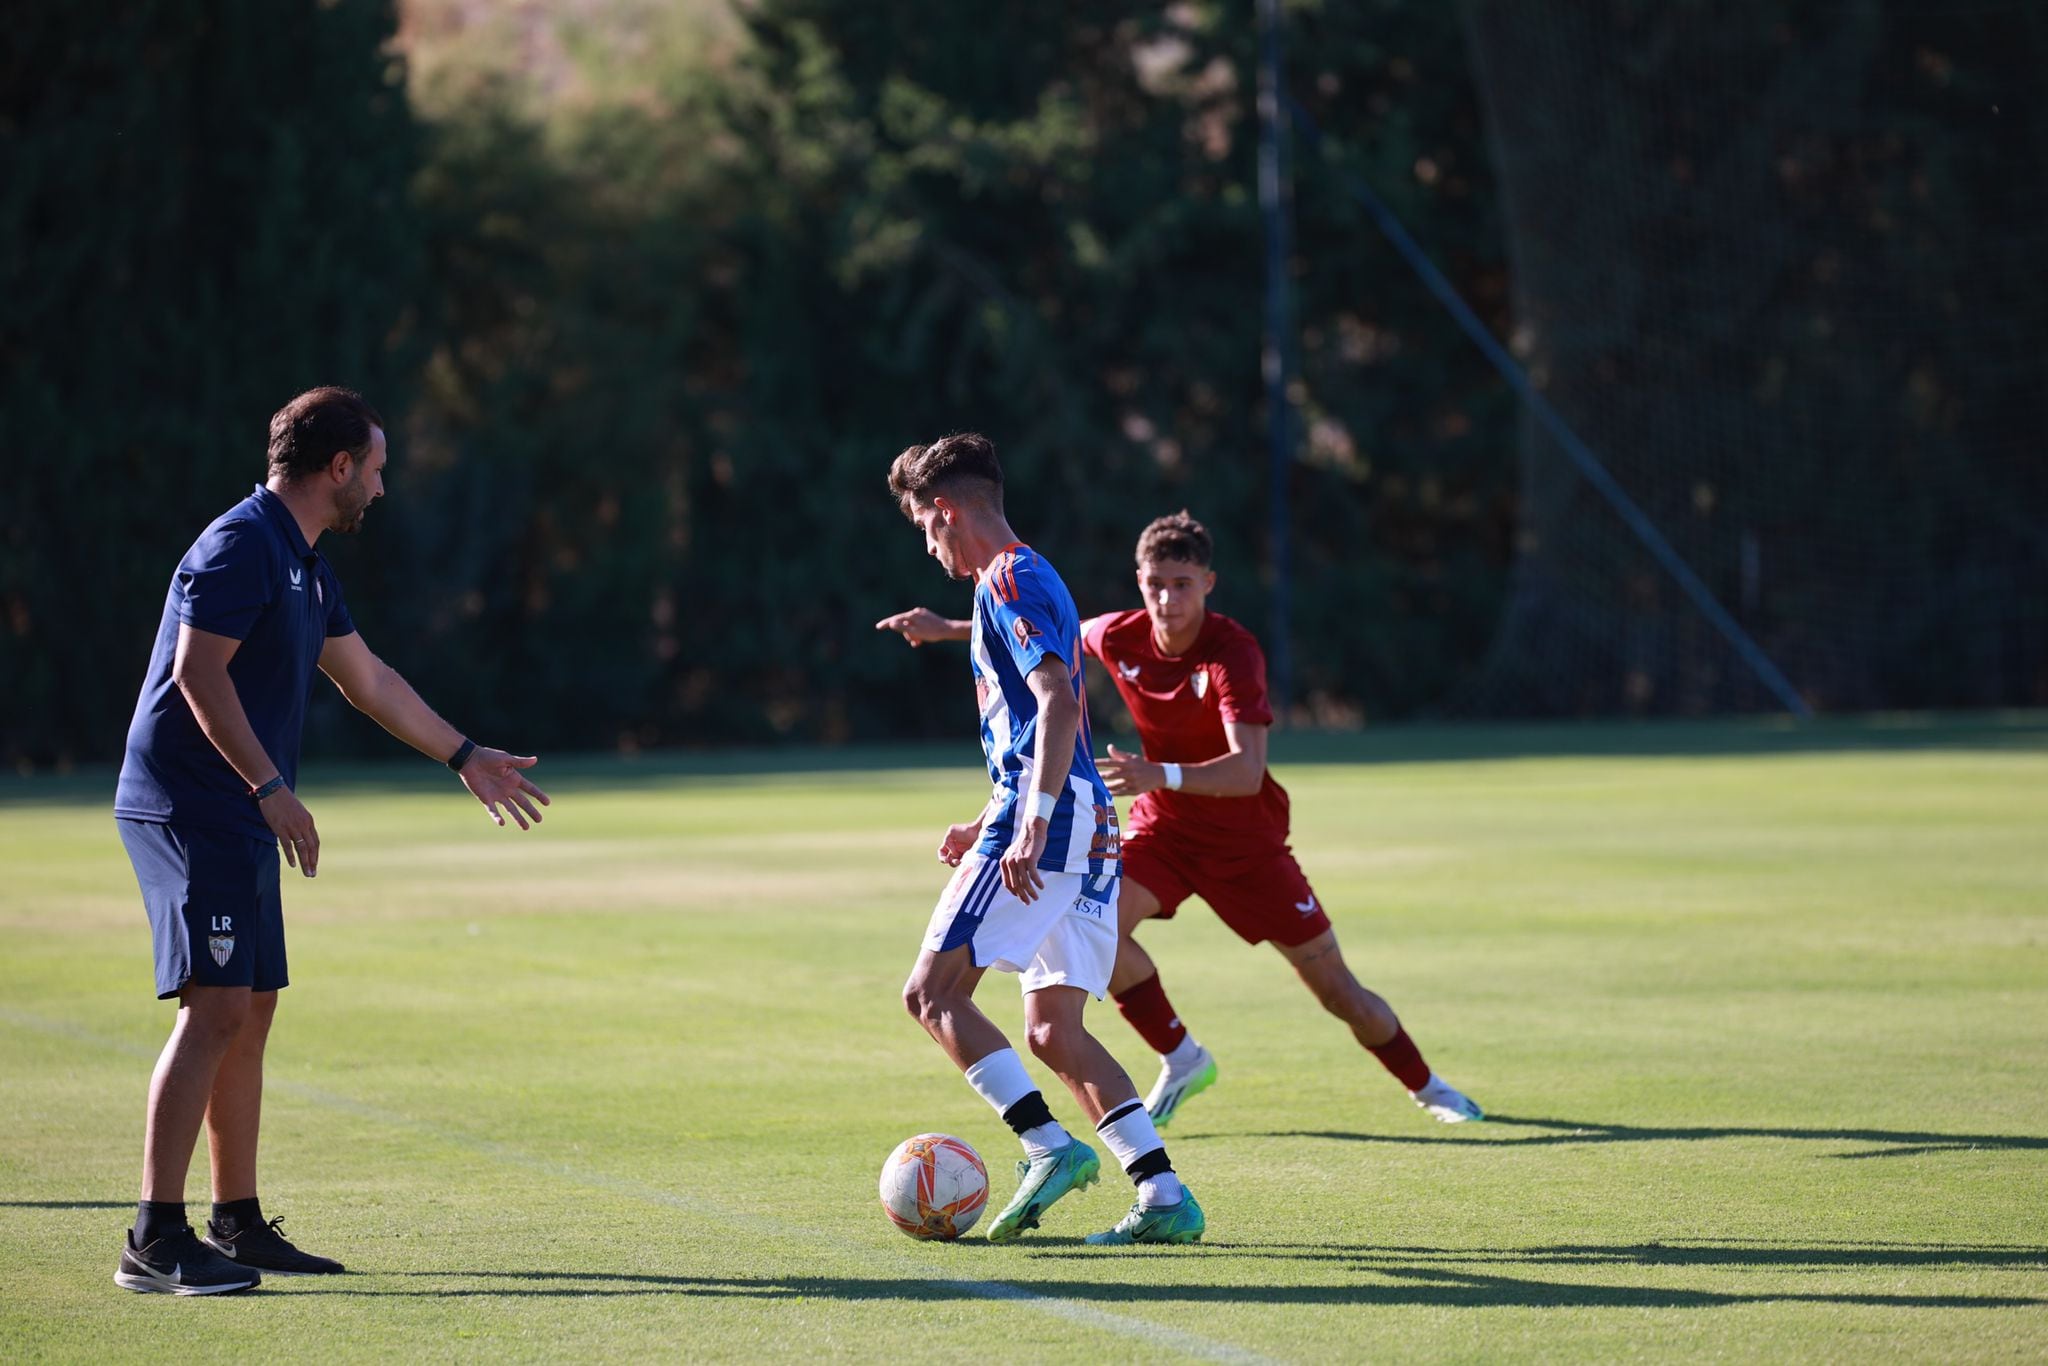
(1157, 1335)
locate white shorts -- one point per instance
(1067, 937)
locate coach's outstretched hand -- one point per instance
(495, 777)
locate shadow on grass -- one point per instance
(1397, 1281)
(1754, 1254)
(67, 1204)
(1890, 1142)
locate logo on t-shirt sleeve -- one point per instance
(1025, 632)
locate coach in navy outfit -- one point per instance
(208, 797)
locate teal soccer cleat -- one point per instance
(1041, 1181)
(1182, 1223)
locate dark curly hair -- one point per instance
(1177, 536)
(962, 465)
(307, 433)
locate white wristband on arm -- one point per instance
(1172, 772)
(1043, 805)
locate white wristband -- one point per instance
(1043, 804)
(1172, 772)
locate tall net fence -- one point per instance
(1785, 269)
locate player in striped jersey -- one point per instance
(1035, 891)
(1209, 819)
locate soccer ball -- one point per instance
(934, 1186)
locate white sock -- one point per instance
(1183, 1056)
(1433, 1085)
(1000, 1079)
(1128, 1131)
(1046, 1138)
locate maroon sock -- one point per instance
(1398, 1055)
(1151, 1014)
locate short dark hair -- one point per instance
(1177, 536)
(948, 466)
(307, 433)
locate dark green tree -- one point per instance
(204, 210)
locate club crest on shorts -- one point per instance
(222, 947)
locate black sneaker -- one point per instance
(264, 1247)
(179, 1264)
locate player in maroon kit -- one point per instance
(1209, 820)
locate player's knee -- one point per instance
(927, 1005)
(213, 1020)
(1134, 907)
(1050, 1041)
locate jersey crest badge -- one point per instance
(1201, 683)
(222, 947)
(1025, 631)
(1129, 671)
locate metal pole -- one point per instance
(1273, 210)
(1590, 465)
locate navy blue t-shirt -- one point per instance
(252, 577)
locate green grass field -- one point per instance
(1761, 1014)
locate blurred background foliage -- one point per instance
(651, 294)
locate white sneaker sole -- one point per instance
(1451, 1114)
(150, 1285)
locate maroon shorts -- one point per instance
(1259, 893)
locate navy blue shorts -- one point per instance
(216, 911)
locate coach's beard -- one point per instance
(349, 518)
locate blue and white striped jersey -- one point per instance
(1022, 614)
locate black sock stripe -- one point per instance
(1154, 1163)
(1114, 1115)
(1028, 1113)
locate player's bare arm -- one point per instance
(921, 625)
(378, 691)
(201, 673)
(1238, 773)
(1059, 722)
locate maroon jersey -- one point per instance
(1180, 703)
